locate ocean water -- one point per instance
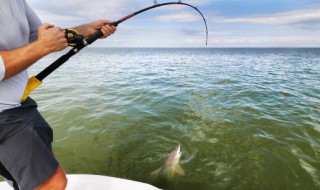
(246, 119)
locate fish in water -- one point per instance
(171, 165)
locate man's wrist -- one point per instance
(41, 47)
(84, 30)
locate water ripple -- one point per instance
(245, 118)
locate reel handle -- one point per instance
(73, 37)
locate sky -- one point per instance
(231, 23)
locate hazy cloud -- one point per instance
(294, 18)
(180, 17)
(84, 9)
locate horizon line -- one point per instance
(258, 47)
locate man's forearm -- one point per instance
(17, 60)
(83, 30)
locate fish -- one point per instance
(171, 165)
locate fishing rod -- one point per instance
(78, 43)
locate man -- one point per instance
(26, 157)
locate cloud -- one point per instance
(192, 2)
(51, 17)
(298, 18)
(278, 29)
(296, 28)
(180, 17)
(84, 10)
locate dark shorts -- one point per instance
(25, 146)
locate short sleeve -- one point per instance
(33, 21)
(2, 69)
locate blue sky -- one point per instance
(231, 23)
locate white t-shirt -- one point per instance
(18, 27)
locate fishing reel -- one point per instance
(73, 37)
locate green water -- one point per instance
(245, 118)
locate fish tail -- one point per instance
(177, 168)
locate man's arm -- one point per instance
(51, 39)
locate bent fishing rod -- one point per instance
(78, 43)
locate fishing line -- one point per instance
(76, 40)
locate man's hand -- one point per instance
(52, 38)
(88, 29)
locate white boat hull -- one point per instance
(97, 182)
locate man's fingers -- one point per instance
(104, 32)
(46, 26)
(58, 29)
(114, 28)
(108, 30)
